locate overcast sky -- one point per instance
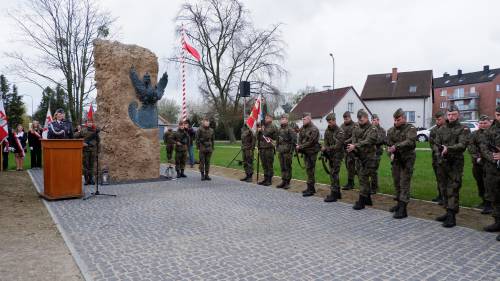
(366, 37)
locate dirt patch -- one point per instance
(467, 217)
(31, 247)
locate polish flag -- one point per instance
(48, 120)
(4, 128)
(90, 115)
(190, 49)
(256, 115)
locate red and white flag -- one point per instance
(4, 127)
(256, 114)
(90, 116)
(190, 49)
(48, 120)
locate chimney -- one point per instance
(486, 68)
(394, 76)
(459, 72)
(446, 74)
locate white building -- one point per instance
(320, 104)
(411, 91)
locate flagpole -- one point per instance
(183, 67)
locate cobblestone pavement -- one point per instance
(228, 230)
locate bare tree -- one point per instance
(232, 50)
(169, 109)
(59, 33)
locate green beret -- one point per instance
(284, 115)
(452, 108)
(362, 113)
(331, 116)
(305, 114)
(498, 109)
(346, 114)
(484, 118)
(439, 114)
(375, 116)
(398, 113)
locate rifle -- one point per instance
(234, 158)
(325, 156)
(258, 150)
(494, 149)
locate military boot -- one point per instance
(262, 181)
(349, 185)
(360, 204)
(442, 218)
(498, 237)
(333, 196)
(310, 191)
(493, 227)
(203, 176)
(249, 178)
(287, 185)
(283, 182)
(401, 212)
(487, 208)
(178, 173)
(246, 177)
(182, 174)
(267, 181)
(207, 178)
(450, 219)
(394, 208)
(368, 201)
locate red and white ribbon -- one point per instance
(19, 146)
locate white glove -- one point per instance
(11, 149)
(31, 148)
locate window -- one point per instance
(442, 105)
(413, 89)
(444, 93)
(459, 93)
(472, 90)
(350, 107)
(498, 101)
(410, 116)
(498, 87)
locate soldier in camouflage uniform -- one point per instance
(350, 160)
(247, 147)
(440, 121)
(363, 145)
(181, 139)
(266, 135)
(285, 145)
(401, 143)
(168, 140)
(478, 163)
(89, 136)
(381, 138)
(449, 146)
(490, 152)
(333, 149)
(309, 146)
(205, 139)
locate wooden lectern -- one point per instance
(62, 168)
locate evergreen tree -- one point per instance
(4, 88)
(56, 98)
(15, 108)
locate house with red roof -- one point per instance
(320, 104)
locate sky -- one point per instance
(365, 37)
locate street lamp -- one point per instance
(31, 105)
(333, 72)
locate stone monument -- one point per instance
(126, 110)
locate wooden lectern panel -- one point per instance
(62, 168)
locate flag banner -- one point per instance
(48, 120)
(90, 116)
(255, 115)
(4, 127)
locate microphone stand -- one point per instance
(96, 193)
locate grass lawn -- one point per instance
(27, 161)
(423, 181)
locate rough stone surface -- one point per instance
(129, 152)
(228, 230)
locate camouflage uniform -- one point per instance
(490, 143)
(364, 137)
(381, 138)
(266, 151)
(88, 134)
(455, 137)
(247, 148)
(181, 139)
(350, 159)
(285, 145)
(168, 140)
(205, 139)
(432, 138)
(333, 150)
(403, 138)
(309, 147)
(478, 167)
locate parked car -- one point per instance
(423, 135)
